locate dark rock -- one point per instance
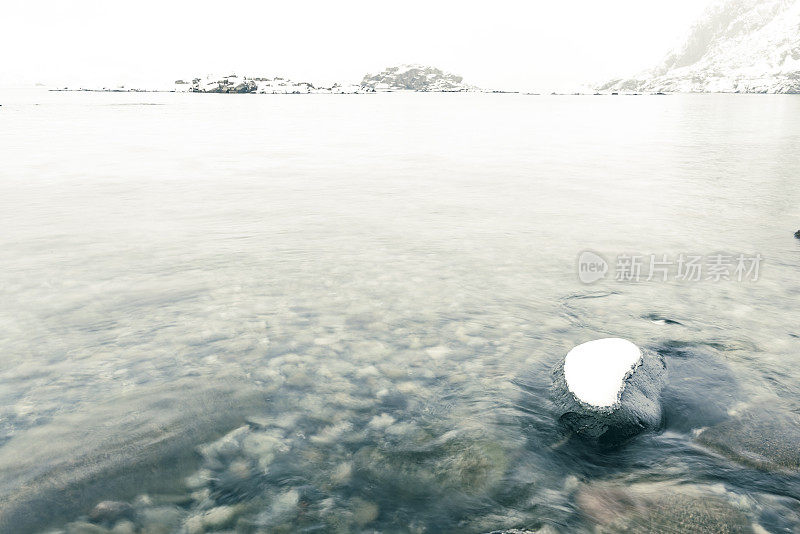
(637, 409)
(797, 234)
(225, 86)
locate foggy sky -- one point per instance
(501, 44)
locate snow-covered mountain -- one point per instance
(742, 46)
(414, 78)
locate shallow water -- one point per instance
(339, 312)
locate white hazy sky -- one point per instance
(505, 44)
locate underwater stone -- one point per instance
(219, 516)
(109, 512)
(80, 527)
(124, 527)
(364, 512)
(764, 438)
(160, 519)
(214, 519)
(656, 508)
(609, 390)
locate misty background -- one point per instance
(499, 45)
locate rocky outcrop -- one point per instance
(739, 46)
(400, 78)
(243, 85)
(414, 78)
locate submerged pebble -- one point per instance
(160, 519)
(766, 439)
(109, 512)
(81, 527)
(214, 519)
(656, 508)
(124, 527)
(364, 512)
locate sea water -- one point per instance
(339, 313)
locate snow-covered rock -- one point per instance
(243, 84)
(401, 78)
(595, 371)
(414, 78)
(609, 389)
(741, 46)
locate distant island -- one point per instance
(414, 78)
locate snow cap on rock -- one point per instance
(609, 390)
(595, 371)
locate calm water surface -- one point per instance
(332, 313)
